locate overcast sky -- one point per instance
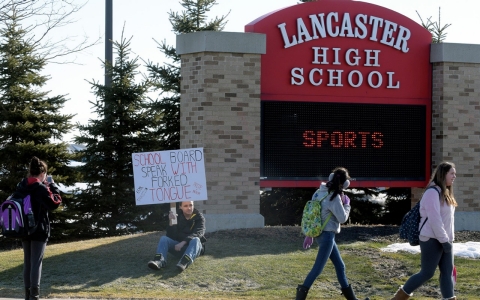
(146, 20)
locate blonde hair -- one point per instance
(439, 178)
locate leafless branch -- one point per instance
(39, 20)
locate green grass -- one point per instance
(260, 266)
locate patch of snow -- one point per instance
(73, 163)
(79, 186)
(468, 249)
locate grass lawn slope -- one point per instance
(266, 263)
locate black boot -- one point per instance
(302, 292)
(34, 293)
(158, 262)
(27, 293)
(349, 294)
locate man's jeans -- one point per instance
(327, 248)
(166, 244)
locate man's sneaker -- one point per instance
(184, 263)
(157, 263)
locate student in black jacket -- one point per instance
(185, 238)
(44, 196)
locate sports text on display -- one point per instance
(347, 139)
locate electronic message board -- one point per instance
(306, 140)
(344, 83)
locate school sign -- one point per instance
(325, 84)
(352, 87)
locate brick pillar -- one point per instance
(416, 195)
(456, 124)
(220, 111)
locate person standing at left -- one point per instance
(44, 196)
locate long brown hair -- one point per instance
(439, 178)
(37, 167)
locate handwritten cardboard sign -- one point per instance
(169, 176)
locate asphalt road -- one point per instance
(53, 299)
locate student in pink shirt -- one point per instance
(437, 208)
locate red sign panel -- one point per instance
(350, 52)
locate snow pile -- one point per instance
(468, 249)
(79, 186)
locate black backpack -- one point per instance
(409, 227)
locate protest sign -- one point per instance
(169, 176)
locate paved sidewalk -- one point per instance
(21, 298)
(41, 298)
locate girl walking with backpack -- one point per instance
(44, 196)
(335, 210)
(437, 207)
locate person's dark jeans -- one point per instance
(33, 252)
(432, 255)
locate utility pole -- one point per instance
(108, 40)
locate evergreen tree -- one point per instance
(30, 119)
(124, 126)
(438, 31)
(166, 78)
(397, 204)
(284, 206)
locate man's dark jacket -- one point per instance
(186, 230)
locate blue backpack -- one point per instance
(16, 217)
(409, 227)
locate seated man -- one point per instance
(185, 238)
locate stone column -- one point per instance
(220, 111)
(455, 124)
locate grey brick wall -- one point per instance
(220, 111)
(455, 125)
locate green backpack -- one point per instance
(312, 216)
